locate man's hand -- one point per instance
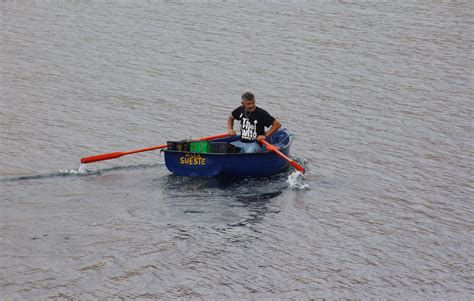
(261, 137)
(232, 132)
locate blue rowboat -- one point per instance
(264, 164)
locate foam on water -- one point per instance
(295, 180)
(80, 171)
(72, 172)
(81, 168)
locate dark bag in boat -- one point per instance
(219, 147)
(232, 149)
(223, 148)
(182, 146)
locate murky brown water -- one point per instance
(379, 95)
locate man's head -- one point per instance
(248, 101)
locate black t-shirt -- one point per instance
(252, 124)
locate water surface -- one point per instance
(379, 95)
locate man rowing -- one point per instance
(253, 121)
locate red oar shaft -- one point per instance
(114, 155)
(275, 149)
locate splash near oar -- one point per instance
(275, 149)
(115, 155)
(295, 181)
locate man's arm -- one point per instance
(230, 126)
(276, 125)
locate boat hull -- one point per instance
(234, 165)
(265, 164)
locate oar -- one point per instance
(120, 154)
(275, 149)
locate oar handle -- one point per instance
(114, 155)
(275, 149)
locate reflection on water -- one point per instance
(257, 205)
(236, 202)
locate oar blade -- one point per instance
(275, 149)
(297, 166)
(102, 157)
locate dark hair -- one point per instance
(247, 96)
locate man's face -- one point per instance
(249, 105)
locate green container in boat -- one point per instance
(200, 146)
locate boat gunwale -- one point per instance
(290, 136)
(220, 154)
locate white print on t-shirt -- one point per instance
(249, 130)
